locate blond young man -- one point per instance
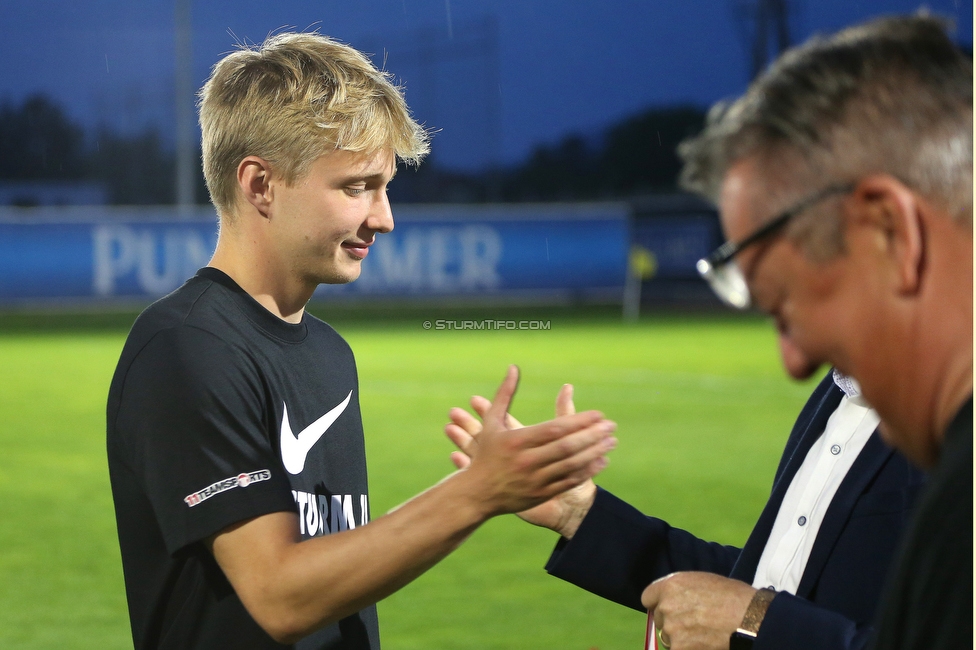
(235, 439)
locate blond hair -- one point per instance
(293, 99)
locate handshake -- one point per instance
(548, 469)
(544, 473)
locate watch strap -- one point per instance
(756, 610)
(743, 638)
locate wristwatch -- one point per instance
(743, 638)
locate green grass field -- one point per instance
(702, 405)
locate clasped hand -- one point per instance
(695, 610)
(575, 456)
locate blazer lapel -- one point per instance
(868, 463)
(801, 439)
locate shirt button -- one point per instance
(802, 521)
(835, 449)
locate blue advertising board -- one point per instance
(103, 254)
(677, 242)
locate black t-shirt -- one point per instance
(929, 600)
(219, 412)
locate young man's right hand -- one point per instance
(564, 511)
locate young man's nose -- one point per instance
(380, 216)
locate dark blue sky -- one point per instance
(561, 66)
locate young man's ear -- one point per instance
(254, 182)
(886, 204)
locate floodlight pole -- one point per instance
(767, 18)
(186, 164)
(771, 16)
(427, 48)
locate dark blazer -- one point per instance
(618, 551)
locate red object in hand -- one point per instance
(650, 641)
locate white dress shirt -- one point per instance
(809, 495)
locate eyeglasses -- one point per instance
(722, 273)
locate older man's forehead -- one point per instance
(741, 200)
(761, 188)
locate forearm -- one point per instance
(292, 588)
(618, 551)
(295, 587)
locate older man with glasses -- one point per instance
(873, 274)
(844, 178)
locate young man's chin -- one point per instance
(345, 275)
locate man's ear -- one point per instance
(887, 204)
(254, 182)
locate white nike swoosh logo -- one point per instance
(294, 449)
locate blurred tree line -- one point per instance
(629, 159)
(632, 158)
(41, 143)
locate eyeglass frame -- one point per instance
(723, 255)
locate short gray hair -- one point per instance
(893, 96)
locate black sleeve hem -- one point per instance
(269, 502)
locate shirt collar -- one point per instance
(847, 384)
(851, 388)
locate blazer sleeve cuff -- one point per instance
(793, 623)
